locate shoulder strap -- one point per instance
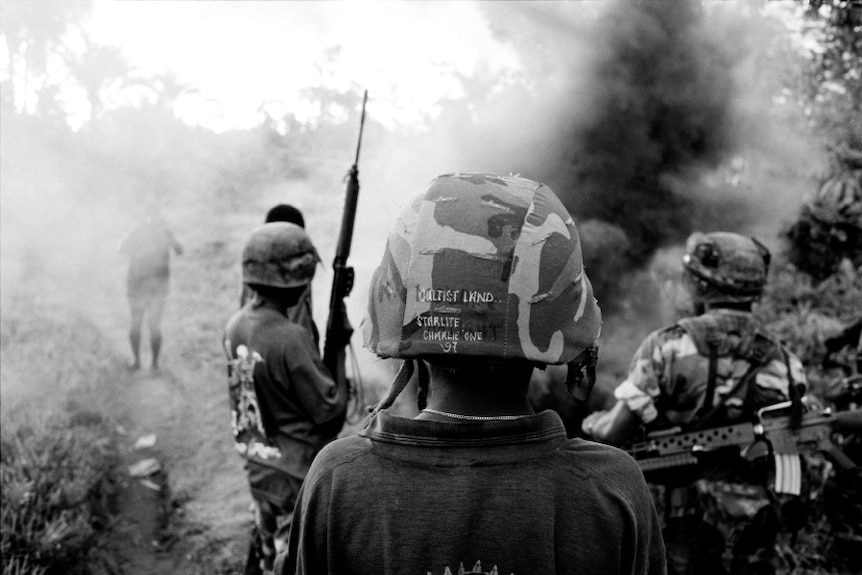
(703, 330)
(756, 361)
(711, 376)
(702, 422)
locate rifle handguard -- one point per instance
(348, 279)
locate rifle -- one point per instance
(338, 328)
(776, 436)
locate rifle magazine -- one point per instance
(788, 473)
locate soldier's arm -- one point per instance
(321, 398)
(614, 426)
(635, 396)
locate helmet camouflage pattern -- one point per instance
(482, 265)
(839, 200)
(280, 255)
(726, 267)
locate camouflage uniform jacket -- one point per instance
(668, 376)
(667, 386)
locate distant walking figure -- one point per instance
(148, 248)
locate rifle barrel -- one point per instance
(848, 421)
(361, 128)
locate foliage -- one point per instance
(831, 86)
(804, 314)
(57, 457)
(57, 478)
(829, 90)
(819, 248)
(33, 32)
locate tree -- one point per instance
(832, 84)
(828, 229)
(96, 69)
(33, 32)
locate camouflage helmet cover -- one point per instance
(726, 267)
(279, 254)
(839, 200)
(482, 265)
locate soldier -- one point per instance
(716, 368)
(302, 312)
(828, 232)
(285, 406)
(482, 278)
(148, 248)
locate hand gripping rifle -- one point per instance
(775, 436)
(338, 328)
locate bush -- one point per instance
(57, 458)
(804, 314)
(57, 478)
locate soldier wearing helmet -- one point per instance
(481, 281)
(829, 229)
(284, 404)
(715, 368)
(301, 313)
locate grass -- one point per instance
(58, 450)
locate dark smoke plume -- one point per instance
(658, 112)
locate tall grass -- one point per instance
(58, 449)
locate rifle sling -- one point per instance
(795, 398)
(711, 376)
(702, 422)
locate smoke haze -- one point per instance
(650, 120)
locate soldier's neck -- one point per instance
(267, 302)
(467, 398)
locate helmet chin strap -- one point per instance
(581, 376)
(405, 372)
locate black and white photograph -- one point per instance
(431, 287)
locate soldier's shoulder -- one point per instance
(600, 455)
(664, 335)
(235, 320)
(337, 454)
(606, 463)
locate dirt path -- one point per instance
(193, 517)
(144, 540)
(185, 405)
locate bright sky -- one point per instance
(242, 54)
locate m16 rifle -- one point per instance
(338, 328)
(772, 435)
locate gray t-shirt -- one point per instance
(511, 497)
